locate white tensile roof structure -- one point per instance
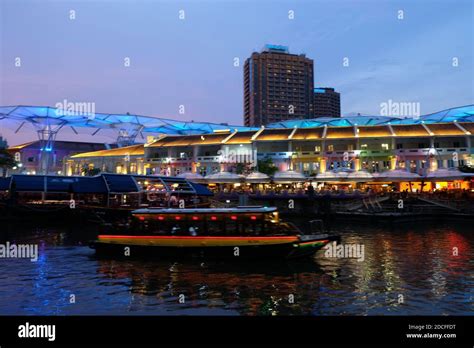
(224, 178)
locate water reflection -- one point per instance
(407, 270)
(243, 288)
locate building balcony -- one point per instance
(208, 159)
(275, 155)
(306, 154)
(169, 160)
(376, 153)
(439, 151)
(328, 154)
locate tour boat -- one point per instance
(242, 232)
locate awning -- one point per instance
(360, 175)
(257, 178)
(398, 175)
(192, 177)
(447, 174)
(289, 176)
(100, 184)
(201, 190)
(120, 183)
(94, 184)
(40, 183)
(224, 178)
(333, 175)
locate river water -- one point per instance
(412, 269)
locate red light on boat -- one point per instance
(213, 218)
(253, 217)
(233, 217)
(141, 218)
(195, 217)
(177, 217)
(161, 217)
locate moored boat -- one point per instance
(242, 232)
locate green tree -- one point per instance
(466, 169)
(7, 161)
(242, 168)
(90, 171)
(267, 166)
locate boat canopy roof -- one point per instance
(246, 209)
(103, 183)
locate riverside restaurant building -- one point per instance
(433, 152)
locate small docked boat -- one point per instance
(242, 232)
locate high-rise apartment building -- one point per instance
(278, 86)
(327, 102)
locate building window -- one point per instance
(330, 147)
(317, 148)
(399, 146)
(385, 146)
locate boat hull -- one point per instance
(210, 247)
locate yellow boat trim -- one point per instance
(189, 241)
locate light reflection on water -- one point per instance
(414, 263)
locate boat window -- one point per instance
(251, 228)
(155, 227)
(257, 228)
(196, 228)
(232, 228)
(215, 228)
(159, 227)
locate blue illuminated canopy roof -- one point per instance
(459, 114)
(53, 117)
(58, 118)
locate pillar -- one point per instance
(469, 147)
(433, 164)
(290, 156)
(393, 163)
(357, 164)
(322, 166)
(194, 160)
